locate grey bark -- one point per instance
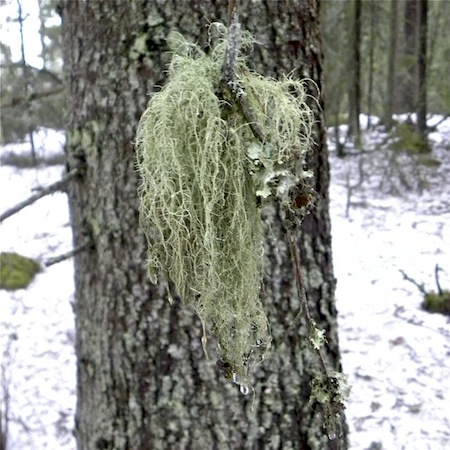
(143, 380)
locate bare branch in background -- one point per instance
(20, 101)
(58, 186)
(421, 286)
(33, 70)
(438, 269)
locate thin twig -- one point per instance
(232, 9)
(229, 80)
(295, 252)
(437, 269)
(421, 287)
(68, 255)
(58, 186)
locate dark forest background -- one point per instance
(382, 58)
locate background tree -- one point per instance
(414, 79)
(143, 380)
(372, 41)
(354, 95)
(408, 76)
(438, 89)
(31, 96)
(333, 17)
(422, 55)
(391, 64)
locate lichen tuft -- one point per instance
(198, 194)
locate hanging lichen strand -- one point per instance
(202, 172)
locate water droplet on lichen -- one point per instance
(243, 389)
(331, 436)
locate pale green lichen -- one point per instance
(202, 170)
(139, 46)
(17, 271)
(331, 390)
(317, 338)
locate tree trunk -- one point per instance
(373, 21)
(408, 76)
(422, 70)
(143, 379)
(354, 100)
(390, 91)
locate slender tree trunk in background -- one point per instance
(433, 29)
(143, 380)
(26, 77)
(41, 4)
(408, 75)
(422, 70)
(390, 90)
(373, 21)
(340, 145)
(354, 100)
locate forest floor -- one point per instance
(389, 214)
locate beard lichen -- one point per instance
(203, 175)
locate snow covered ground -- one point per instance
(395, 354)
(37, 360)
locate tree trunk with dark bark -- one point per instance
(373, 22)
(354, 93)
(143, 379)
(422, 55)
(408, 77)
(391, 63)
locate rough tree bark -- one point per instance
(143, 380)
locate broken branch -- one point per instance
(421, 287)
(437, 269)
(67, 255)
